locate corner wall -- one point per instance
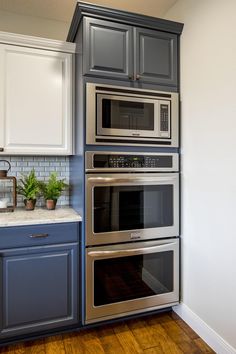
(208, 95)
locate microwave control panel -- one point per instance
(164, 115)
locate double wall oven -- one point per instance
(132, 224)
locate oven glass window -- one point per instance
(118, 208)
(133, 277)
(127, 115)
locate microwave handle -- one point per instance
(131, 179)
(132, 251)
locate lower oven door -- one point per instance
(131, 278)
(126, 207)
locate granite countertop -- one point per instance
(21, 217)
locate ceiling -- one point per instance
(62, 10)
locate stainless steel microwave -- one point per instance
(118, 115)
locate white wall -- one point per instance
(208, 94)
(33, 26)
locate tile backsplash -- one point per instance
(43, 166)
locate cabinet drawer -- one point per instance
(36, 235)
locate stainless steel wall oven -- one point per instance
(120, 115)
(132, 228)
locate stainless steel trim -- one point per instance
(94, 180)
(91, 134)
(130, 178)
(129, 313)
(167, 243)
(136, 91)
(125, 252)
(135, 305)
(90, 168)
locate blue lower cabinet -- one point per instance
(39, 288)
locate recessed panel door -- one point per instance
(108, 49)
(39, 289)
(156, 56)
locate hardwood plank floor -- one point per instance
(165, 333)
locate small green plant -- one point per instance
(28, 186)
(53, 188)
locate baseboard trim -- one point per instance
(216, 342)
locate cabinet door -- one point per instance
(108, 49)
(156, 57)
(39, 289)
(36, 115)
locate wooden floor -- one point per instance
(164, 333)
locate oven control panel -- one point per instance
(124, 161)
(104, 161)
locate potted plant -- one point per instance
(52, 190)
(28, 187)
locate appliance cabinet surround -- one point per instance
(38, 278)
(120, 51)
(35, 100)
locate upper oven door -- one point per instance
(127, 116)
(125, 207)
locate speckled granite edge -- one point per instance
(21, 217)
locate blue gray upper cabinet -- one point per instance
(156, 56)
(121, 45)
(125, 52)
(107, 49)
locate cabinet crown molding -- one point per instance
(36, 42)
(87, 9)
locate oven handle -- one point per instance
(131, 179)
(131, 251)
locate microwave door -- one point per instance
(127, 116)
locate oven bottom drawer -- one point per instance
(131, 278)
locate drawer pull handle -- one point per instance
(38, 235)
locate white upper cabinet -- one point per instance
(35, 101)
